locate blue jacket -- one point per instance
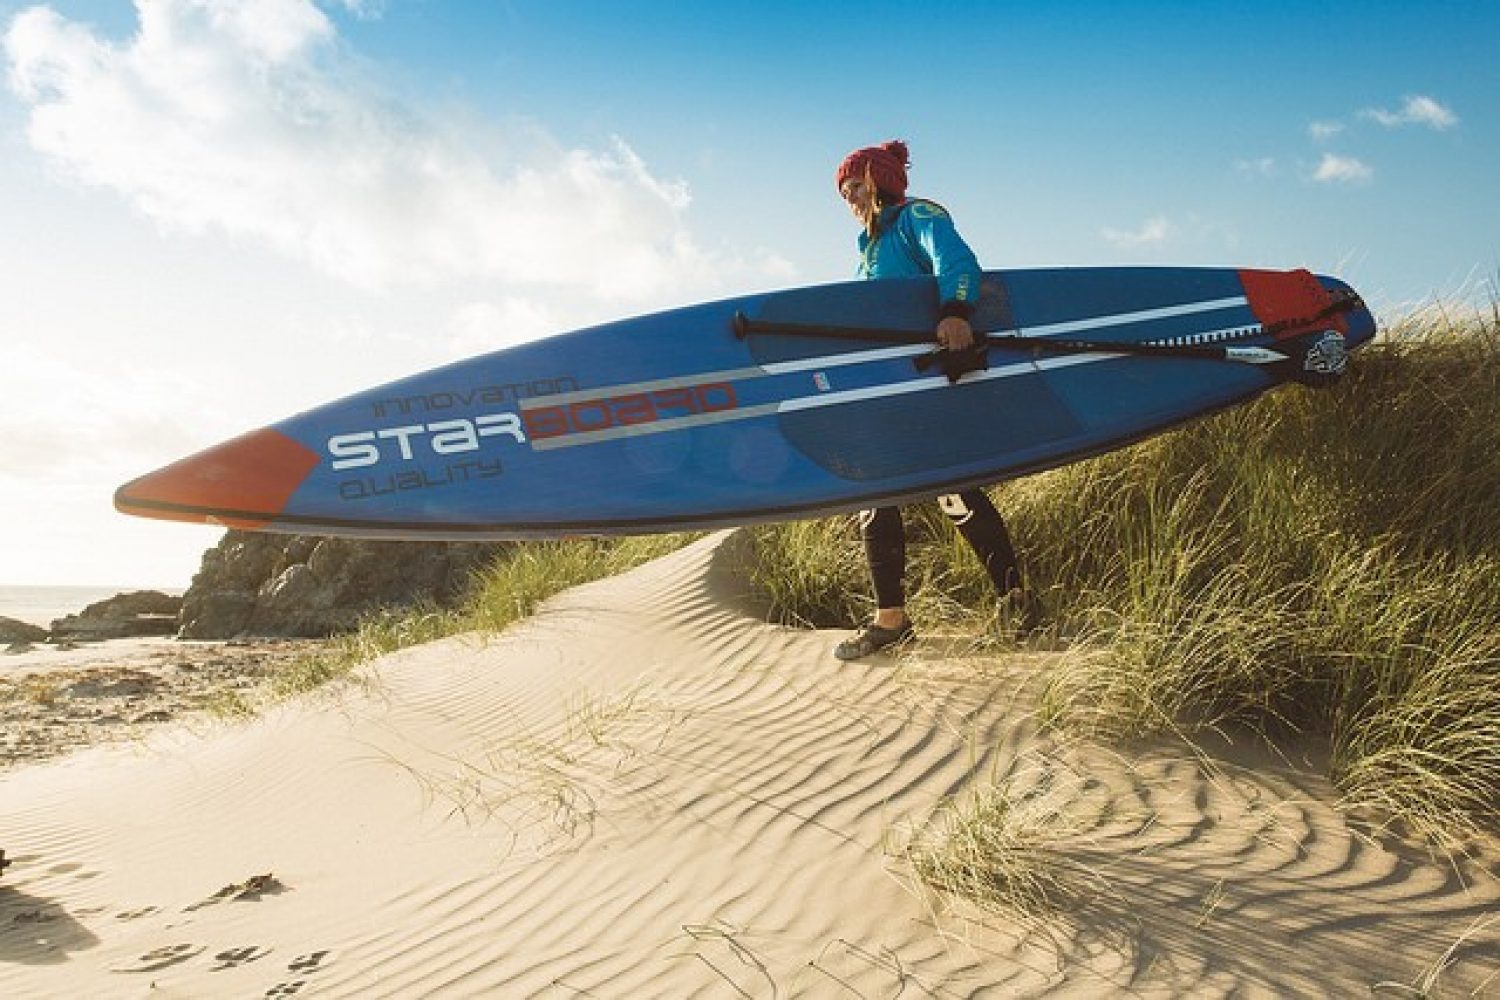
(918, 237)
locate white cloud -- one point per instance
(1414, 110)
(479, 327)
(1341, 170)
(246, 117)
(1152, 232)
(1321, 131)
(1264, 166)
(72, 418)
(365, 10)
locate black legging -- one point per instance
(976, 519)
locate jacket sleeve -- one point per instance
(953, 263)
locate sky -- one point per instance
(217, 213)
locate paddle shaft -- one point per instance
(745, 326)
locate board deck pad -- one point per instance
(672, 421)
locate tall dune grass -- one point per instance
(1314, 561)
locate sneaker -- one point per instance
(873, 639)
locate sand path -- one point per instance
(645, 792)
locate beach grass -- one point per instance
(1313, 563)
(998, 844)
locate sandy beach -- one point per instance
(646, 791)
(57, 699)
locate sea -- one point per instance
(43, 605)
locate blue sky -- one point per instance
(217, 214)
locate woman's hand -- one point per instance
(955, 333)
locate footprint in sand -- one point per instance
(160, 958)
(144, 911)
(311, 962)
(38, 916)
(233, 958)
(69, 868)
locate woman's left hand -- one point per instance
(955, 333)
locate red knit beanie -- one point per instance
(887, 164)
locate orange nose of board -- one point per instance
(243, 483)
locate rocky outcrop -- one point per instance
(293, 586)
(142, 612)
(13, 632)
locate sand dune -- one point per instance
(644, 791)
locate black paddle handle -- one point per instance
(744, 326)
(953, 363)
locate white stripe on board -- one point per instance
(1121, 319)
(842, 398)
(633, 388)
(849, 358)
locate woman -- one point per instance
(903, 238)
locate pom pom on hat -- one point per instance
(887, 165)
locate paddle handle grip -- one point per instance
(744, 326)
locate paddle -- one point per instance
(744, 326)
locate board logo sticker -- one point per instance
(1327, 355)
(443, 437)
(610, 413)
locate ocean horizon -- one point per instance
(41, 605)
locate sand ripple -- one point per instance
(646, 792)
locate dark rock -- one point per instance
(129, 605)
(139, 613)
(292, 586)
(12, 631)
(208, 613)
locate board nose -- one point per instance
(242, 483)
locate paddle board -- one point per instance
(773, 406)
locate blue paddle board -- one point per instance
(774, 406)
